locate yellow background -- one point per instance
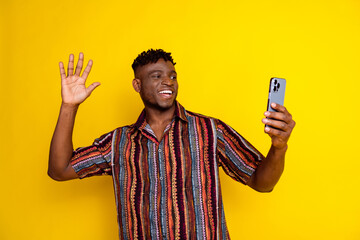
(226, 53)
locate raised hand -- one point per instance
(280, 125)
(73, 89)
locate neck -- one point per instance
(156, 116)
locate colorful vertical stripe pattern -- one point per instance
(170, 189)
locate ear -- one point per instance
(136, 84)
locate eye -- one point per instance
(173, 77)
(156, 76)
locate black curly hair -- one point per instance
(151, 56)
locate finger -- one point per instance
(280, 116)
(91, 88)
(87, 70)
(79, 64)
(275, 124)
(278, 107)
(275, 132)
(71, 65)
(62, 70)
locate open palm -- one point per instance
(73, 89)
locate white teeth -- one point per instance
(165, 92)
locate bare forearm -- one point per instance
(61, 145)
(270, 170)
(279, 127)
(73, 93)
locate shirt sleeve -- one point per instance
(95, 159)
(236, 156)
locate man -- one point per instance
(165, 166)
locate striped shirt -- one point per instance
(170, 189)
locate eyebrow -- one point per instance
(153, 71)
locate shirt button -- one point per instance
(161, 178)
(159, 150)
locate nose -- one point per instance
(167, 81)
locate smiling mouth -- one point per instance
(166, 93)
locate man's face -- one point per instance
(157, 84)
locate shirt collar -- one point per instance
(179, 113)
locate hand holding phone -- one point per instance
(279, 122)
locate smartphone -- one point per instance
(276, 93)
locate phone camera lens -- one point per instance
(275, 89)
(275, 82)
(278, 85)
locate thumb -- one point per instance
(91, 88)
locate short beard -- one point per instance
(154, 105)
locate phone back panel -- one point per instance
(276, 92)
